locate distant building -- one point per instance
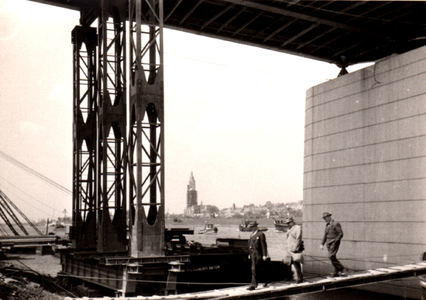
(192, 207)
(191, 192)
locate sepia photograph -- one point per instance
(215, 149)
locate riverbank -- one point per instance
(220, 221)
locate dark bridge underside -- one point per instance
(340, 32)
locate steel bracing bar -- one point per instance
(9, 211)
(6, 219)
(5, 198)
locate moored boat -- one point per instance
(280, 225)
(248, 225)
(208, 228)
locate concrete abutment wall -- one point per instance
(365, 162)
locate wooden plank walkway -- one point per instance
(281, 289)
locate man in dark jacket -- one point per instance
(332, 236)
(258, 253)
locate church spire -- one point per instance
(191, 196)
(191, 184)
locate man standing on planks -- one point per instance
(258, 253)
(332, 236)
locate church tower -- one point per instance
(191, 195)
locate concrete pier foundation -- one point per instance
(365, 162)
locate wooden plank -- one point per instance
(361, 275)
(401, 268)
(325, 280)
(370, 276)
(387, 270)
(419, 266)
(376, 272)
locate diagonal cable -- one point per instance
(28, 169)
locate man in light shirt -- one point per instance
(294, 247)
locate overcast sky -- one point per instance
(234, 115)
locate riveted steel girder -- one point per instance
(146, 137)
(108, 150)
(83, 233)
(111, 122)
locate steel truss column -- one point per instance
(83, 231)
(112, 145)
(146, 137)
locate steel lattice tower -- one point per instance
(118, 165)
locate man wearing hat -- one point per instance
(294, 247)
(258, 253)
(332, 236)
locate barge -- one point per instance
(187, 266)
